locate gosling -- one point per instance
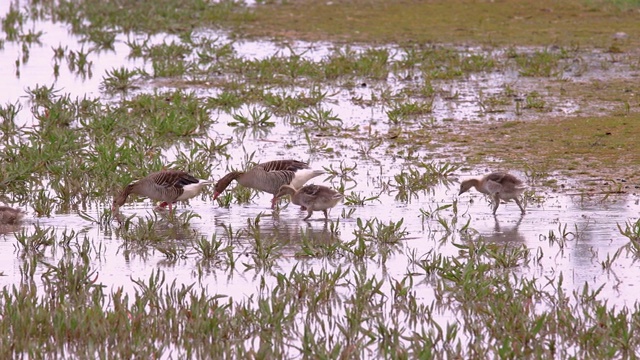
(499, 186)
(10, 216)
(312, 198)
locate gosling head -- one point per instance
(466, 185)
(285, 190)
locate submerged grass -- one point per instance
(344, 310)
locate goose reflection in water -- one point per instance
(505, 234)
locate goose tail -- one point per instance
(302, 176)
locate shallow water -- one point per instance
(590, 222)
(594, 222)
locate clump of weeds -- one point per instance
(544, 63)
(255, 119)
(422, 178)
(631, 231)
(119, 80)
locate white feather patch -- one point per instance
(304, 175)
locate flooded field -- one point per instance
(404, 267)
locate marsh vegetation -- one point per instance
(100, 93)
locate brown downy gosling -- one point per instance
(10, 216)
(312, 198)
(499, 186)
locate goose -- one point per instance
(499, 185)
(269, 177)
(167, 186)
(312, 198)
(9, 215)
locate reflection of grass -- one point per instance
(632, 232)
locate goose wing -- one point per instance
(500, 181)
(306, 196)
(173, 179)
(311, 190)
(493, 182)
(271, 175)
(283, 165)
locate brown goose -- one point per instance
(312, 198)
(10, 216)
(269, 177)
(168, 186)
(498, 185)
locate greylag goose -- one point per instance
(9, 216)
(312, 198)
(269, 177)
(167, 186)
(498, 185)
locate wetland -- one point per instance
(397, 102)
